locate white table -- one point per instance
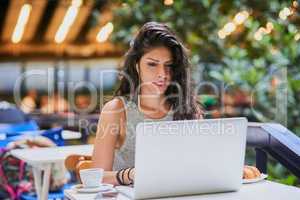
(41, 160)
(264, 190)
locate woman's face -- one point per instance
(155, 71)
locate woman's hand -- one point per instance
(250, 172)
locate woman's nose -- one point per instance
(161, 72)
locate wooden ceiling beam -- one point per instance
(57, 19)
(11, 19)
(80, 20)
(106, 15)
(84, 50)
(38, 8)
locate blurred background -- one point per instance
(59, 59)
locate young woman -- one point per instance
(155, 86)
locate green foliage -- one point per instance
(279, 174)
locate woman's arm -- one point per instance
(110, 126)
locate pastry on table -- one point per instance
(251, 172)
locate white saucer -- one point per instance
(254, 180)
(103, 188)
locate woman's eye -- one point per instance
(152, 64)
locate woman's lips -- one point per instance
(159, 84)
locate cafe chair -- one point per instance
(74, 163)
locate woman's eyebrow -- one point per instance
(153, 59)
(168, 61)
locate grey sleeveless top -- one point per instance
(124, 157)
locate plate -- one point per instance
(103, 188)
(254, 180)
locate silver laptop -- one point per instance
(188, 157)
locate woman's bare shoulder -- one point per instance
(114, 107)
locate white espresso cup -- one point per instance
(91, 177)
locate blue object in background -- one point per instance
(10, 114)
(30, 125)
(54, 134)
(58, 195)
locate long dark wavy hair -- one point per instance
(180, 93)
